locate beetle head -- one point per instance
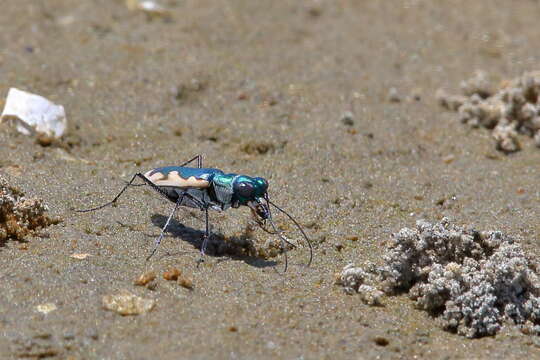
(250, 191)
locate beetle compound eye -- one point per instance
(262, 184)
(245, 189)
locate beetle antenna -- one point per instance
(277, 233)
(283, 241)
(295, 223)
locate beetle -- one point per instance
(210, 188)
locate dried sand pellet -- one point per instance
(20, 215)
(511, 109)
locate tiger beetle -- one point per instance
(209, 188)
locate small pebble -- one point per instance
(126, 303)
(145, 278)
(68, 335)
(381, 341)
(172, 274)
(92, 333)
(347, 118)
(81, 256)
(185, 282)
(448, 159)
(393, 95)
(46, 308)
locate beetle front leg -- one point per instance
(205, 238)
(206, 234)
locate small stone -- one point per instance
(347, 118)
(46, 308)
(172, 274)
(145, 278)
(126, 303)
(381, 341)
(185, 282)
(448, 159)
(92, 333)
(44, 140)
(393, 95)
(81, 256)
(68, 335)
(315, 12)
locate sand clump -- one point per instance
(20, 215)
(357, 280)
(473, 281)
(511, 109)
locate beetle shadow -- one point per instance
(233, 247)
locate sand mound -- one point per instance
(473, 281)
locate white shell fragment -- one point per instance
(34, 114)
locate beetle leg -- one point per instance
(158, 240)
(206, 234)
(115, 198)
(205, 239)
(199, 161)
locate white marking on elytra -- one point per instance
(174, 179)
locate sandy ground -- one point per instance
(257, 88)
